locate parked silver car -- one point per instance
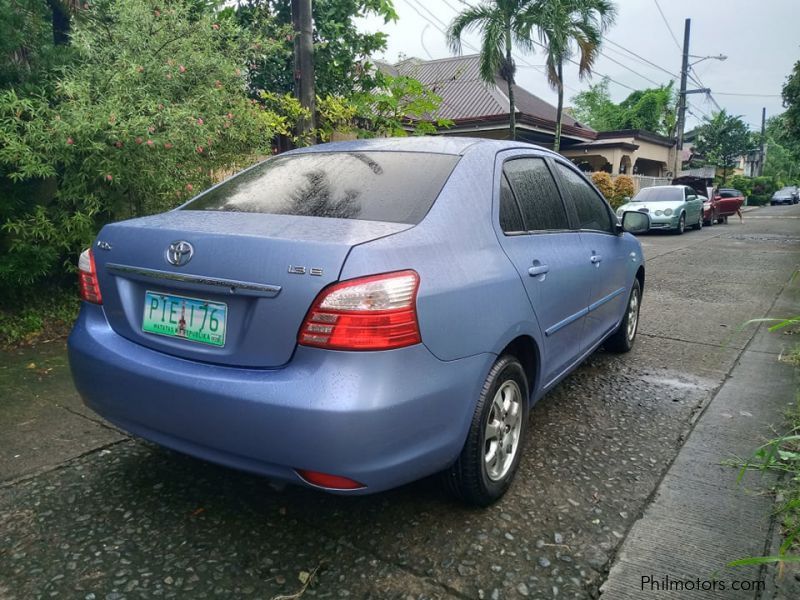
(671, 207)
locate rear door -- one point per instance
(602, 250)
(548, 256)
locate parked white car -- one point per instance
(671, 207)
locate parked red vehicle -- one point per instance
(728, 202)
(718, 204)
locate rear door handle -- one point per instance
(538, 269)
(596, 259)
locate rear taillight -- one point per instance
(369, 313)
(87, 278)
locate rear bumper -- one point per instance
(380, 418)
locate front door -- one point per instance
(603, 249)
(548, 256)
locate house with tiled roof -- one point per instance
(481, 110)
(478, 109)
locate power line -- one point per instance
(623, 56)
(674, 39)
(696, 79)
(640, 57)
(750, 95)
(631, 70)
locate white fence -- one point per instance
(643, 181)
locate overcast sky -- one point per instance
(760, 39)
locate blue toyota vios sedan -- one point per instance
(354, 316)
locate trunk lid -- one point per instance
(266, 269)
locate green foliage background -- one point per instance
(151, 101)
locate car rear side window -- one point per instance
(510, 215)
(537, 194)
(591, 209)
(396, 187)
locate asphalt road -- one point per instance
(86, 512)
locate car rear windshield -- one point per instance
(729, 193)
(397, 187)
(659, 194)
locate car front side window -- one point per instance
(592, 210)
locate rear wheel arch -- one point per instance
(526, 351)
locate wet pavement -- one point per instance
(88, 513)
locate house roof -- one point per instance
(467, 98)
(637, 134)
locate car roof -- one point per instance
(440, 144)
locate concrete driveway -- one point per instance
(86, 512)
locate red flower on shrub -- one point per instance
(182, 69)
(199, 149)
(70, 141)
(215, 26)
(150, 143)
(138, 140)
(167, 145)
(109, 177)
(199, 121)
(118, 144)
(189, 187)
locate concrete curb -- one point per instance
(701, 518)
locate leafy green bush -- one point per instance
(762, 190)
(742, 183)
(153, 104)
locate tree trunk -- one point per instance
(560, 108)
(512, 111)
(61, 22)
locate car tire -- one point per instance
(474, 478)
(681, 225)
(699, 225)
(722, 220)
(622, 339)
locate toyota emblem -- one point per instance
(179, 253)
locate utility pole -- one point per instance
(682, 97)
(761, 156)
(683, 92)
(304, 66)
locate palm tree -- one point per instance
(561, 23)
(501, 26)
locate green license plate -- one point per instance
(187, 318)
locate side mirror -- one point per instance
(635, 221)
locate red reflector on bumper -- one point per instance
(333, 482)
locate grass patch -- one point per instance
(43, 316)
(782, 455)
